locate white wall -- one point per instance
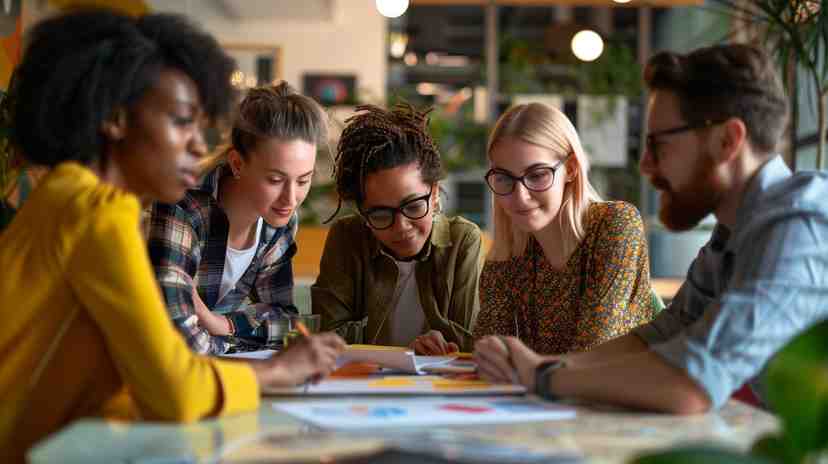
(349, 40)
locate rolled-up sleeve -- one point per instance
(173, 246)
(777, 289)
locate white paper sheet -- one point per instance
(364, 413)
(398, 359)
(261, 354)
(375, 385)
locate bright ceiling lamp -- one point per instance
(587, 45)
(621, 1)
(392, 8)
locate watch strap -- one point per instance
(543, 374)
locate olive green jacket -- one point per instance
(357, 280)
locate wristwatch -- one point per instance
(543, 374)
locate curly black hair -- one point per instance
(80, 67)
(377, 139)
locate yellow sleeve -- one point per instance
(110, 273)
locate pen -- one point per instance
(305, 333)
(514, 375)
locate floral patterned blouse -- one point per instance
(602, 292)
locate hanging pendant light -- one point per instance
(392, 8)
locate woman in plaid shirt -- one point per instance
(222, 255)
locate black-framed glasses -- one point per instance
(538, 179)
(383, 217)
(652, 142)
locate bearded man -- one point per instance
(716, 116)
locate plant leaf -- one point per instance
(797, 389)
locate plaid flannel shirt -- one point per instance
(187, 244)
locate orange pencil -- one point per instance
(302, 329)
(306, 333)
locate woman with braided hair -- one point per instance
(398, 272)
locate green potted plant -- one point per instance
(797, 32)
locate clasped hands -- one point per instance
(432, 343)
(312, 357)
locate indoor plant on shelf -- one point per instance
(797, 32)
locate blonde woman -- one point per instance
(566, 271)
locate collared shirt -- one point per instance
(187, 243)
(357, 280)
(753, 288)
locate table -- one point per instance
(666, 287)
(601, 434)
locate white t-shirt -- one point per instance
(236, 262)
(407, 317)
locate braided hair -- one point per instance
(376, 139)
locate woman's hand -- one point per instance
(307, 358)
(432, 343)
(506, 360)
(214, 323)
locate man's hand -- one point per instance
(307, 358)
(500, 359)
(432, 343)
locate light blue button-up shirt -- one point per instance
(750, 289)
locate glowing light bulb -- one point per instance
(392, 8)
(587, 45)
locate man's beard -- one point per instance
(683, 210)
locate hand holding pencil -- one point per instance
(309, 358)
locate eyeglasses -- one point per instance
(538, 179)
(652, 143)
(383, 217)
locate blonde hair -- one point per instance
(548, 128)
(271, 111)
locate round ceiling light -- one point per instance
(587, 45)
(392, 8)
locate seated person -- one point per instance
(715, 118)
(222, 254)
(399, 264)
(115, 106)
(566, 271)
(21, 182)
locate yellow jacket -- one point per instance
(74, 263)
